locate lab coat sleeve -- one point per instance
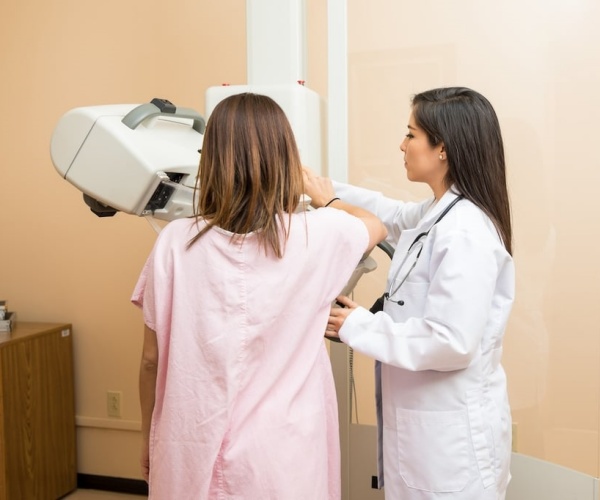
(446, 328)
(396, 215)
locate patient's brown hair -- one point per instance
(250, 174)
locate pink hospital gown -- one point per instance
(245, 399)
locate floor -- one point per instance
(101, 495)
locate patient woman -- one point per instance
(236, 388)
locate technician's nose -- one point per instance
(403, 145)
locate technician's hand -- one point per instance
(338, 315)
(318, 189)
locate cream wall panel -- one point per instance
(537, 61)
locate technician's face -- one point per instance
(421, 160)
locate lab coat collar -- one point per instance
(449, 196)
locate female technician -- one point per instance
(446, 423)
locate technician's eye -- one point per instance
(409, 136)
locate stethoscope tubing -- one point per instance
(420, 237)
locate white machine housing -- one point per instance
(131, 158)
(302, 107)
(143, 159)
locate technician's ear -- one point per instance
(442, 152)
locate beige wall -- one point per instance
(536, 61)
(61, 262)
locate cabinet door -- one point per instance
(39, 416)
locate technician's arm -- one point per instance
(397, 215)
(461, 304)
(321, 192)
(147, 387)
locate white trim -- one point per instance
(276, 41)
(337, 92)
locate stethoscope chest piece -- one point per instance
(386, 296)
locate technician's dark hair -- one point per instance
(466, 123)
(250, 175)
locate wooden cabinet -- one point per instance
(37, 412)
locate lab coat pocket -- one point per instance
(433, 449)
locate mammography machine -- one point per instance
(143, 159)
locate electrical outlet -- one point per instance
(113, 403)
(515, 437)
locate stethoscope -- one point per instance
(415, 246)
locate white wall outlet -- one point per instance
(113, 403)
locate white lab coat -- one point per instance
(446, 423)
